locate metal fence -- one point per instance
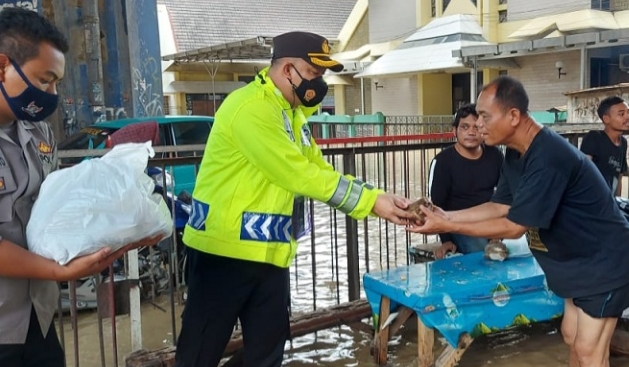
(391, 126)
(326, 271)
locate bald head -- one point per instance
(502, 107)
(508, 93)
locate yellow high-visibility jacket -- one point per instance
(259, 157)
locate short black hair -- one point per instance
(463, 112)
(509, 94)
(606, 104)
(22, 31)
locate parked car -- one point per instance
(173, 130)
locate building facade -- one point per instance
(554, 48)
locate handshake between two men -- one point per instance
(420, 216)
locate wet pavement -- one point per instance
(540, 345)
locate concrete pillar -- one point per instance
(114, 62)
(339, 101)
(93, 56)
(116, 67)
(489, 75)
(144, 57)
(423, 13)
(74, 111)
(488, 14)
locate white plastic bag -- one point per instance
(101, 202)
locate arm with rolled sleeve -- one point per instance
(258, 133)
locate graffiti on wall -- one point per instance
(102, 114)
(26, 4)
(150, 103)
(582, 106)
(115, 113)
(70, 123)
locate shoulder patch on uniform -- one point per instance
(44, 148)
(2, 186)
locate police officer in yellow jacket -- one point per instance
(248, 206)
(32, 62)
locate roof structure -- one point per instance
(429, 49)
(203, 23)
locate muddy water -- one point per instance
(540, 345)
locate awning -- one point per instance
(430, 49)
(421, 59)
(556, 33)
(333, 79)
(257, 48)
(587, 19)
(202, 87)
(545, 45)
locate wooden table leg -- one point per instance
(425, 344)
(403, 314)
(381, 337)
(450, 356)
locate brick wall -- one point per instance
(540, 78)
(619, 5)
(531, 9)
(397, 98)
(352, 97)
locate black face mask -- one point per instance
(310, 92)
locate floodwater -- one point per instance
(538, 345)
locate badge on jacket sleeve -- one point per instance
(2, 186)
(305, 136)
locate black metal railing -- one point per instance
(329, 262)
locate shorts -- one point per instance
(606, 304)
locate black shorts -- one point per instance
(606, 304)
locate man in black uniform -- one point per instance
(575, 230)
(462, 176)
(607, 148)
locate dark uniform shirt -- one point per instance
(609, 158)
(457, 182)
(576, 230)
(28, 153)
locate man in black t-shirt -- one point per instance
(462, 176)
(607, 148)
(555, 194)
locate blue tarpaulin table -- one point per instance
(461, 297)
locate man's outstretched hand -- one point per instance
(95, 263)
(436, 221)
(392, 208)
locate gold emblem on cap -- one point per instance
(309, 95)
(325, 47)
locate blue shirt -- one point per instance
(575, 228)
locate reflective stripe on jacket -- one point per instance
(260, 156)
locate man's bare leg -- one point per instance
(569, 329)
(593, 338)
